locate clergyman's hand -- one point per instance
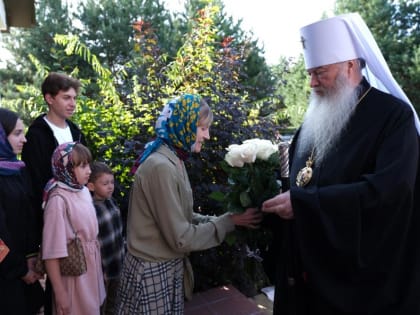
(280, 205)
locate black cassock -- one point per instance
(18, 230)
(354, 245)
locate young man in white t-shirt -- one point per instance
(44, 134)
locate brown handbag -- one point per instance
(75, 263)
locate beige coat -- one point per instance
(161, 222)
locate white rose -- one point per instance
(238, 155)
(248, 152)
(264, 148)
(233, 156)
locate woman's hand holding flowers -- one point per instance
(251, 218)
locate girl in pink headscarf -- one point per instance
(65, 197)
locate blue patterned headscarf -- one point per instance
(9, 164)
(63, 170)
(176, 125)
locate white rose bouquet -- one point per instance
(251, 168)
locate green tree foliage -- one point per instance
(144, 93)
(195, 57)
(26, 98)
(255, 74)
(293, 85)
(106, 27)
(395, 26)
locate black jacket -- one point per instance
(37, 153)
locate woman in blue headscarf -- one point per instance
(162, 227)
(20, 291)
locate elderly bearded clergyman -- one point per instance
(351, 220)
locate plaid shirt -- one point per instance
(110, 237)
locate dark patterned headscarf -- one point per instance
(63, 170)
(176, 126)
(9, 164)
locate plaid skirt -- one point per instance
(151, 287)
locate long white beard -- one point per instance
(326, 117)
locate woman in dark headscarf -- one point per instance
(162, 227)
(20, 290)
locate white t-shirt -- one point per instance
(61, 134)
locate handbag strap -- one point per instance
(67, 211)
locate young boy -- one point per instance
(101, 185)
(44, 134)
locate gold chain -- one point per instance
(364, 94)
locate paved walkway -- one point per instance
(227, 300)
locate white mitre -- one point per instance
(346, 37)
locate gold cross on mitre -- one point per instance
(303, 40)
